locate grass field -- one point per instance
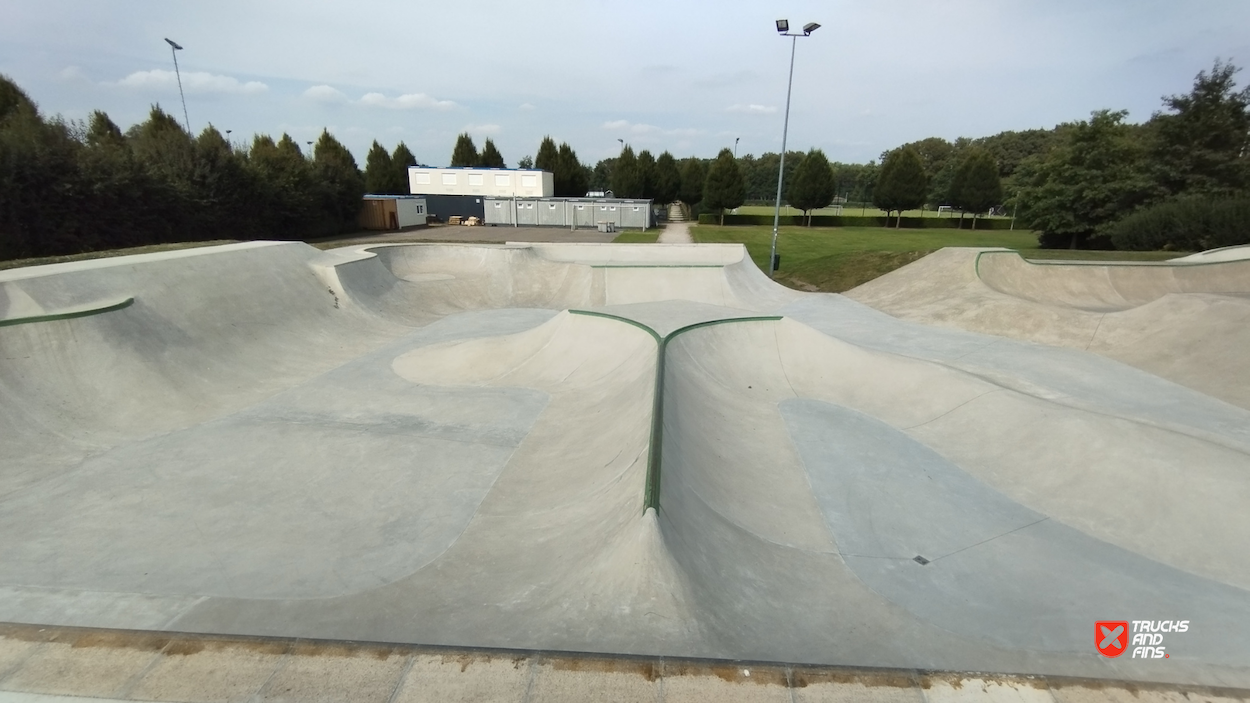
(150, 249)
(849, 211)
(834, 259)
(638, 237)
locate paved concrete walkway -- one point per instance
(53, 665)
(676, 233)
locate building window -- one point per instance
(475, 179)
(423, 179)
(449, 179)
(552, 206)
(529, 181)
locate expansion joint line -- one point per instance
(651, 493)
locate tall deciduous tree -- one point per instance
(1202, 146)
(667, 179)
(693, 175)
(401, 159)
(490, 156)
(976, 186)
(724, 188)
(525, 162)
(1096, 175)
(902, 184)
(812, 187)
(465, 152)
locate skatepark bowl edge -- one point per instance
(645, 467)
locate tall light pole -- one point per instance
(736, 146)
(783, 28)
(174, 49)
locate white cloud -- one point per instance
(482, 128)
(526, 106)
(753, 109)
(631, 127)
(325, 94)
(194, 82)
(642, 129)
(409, 101)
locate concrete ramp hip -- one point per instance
(614, 449)
(1178, 319)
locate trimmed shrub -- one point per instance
(1185, 224)
(856, 221)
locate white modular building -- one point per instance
(482, 182)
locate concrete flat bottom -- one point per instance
(631, 450)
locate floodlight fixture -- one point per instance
(783, 26)
(174, 48)
(809, 28)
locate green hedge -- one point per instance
(1185, 224)
(854, 221)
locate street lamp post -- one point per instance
(783, 28)
(736, 146)
(174, 49)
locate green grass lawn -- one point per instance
(834, 259)
(638, 236)
(849, 211)
(152, 248)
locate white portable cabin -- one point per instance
(485, 182)
(587, 213)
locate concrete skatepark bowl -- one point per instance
(633, 449)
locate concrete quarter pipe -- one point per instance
(629, 449)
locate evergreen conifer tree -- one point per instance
(902, 184)
(401, 159)
(379, 170)
(725, 188)
(465, 152)
(693, 175)
(976, 186)
(812, 187)
(667, 179)
(490, 156)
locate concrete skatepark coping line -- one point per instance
(70, 314)
(651, 494)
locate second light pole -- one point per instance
(783, 28)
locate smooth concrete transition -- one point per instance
(645, 450)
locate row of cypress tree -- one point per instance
(69, 187)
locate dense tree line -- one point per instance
(72, 187)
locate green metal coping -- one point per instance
(651, 493)
(1117, 264)
(68, 315)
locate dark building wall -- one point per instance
(444, 206)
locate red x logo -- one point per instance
(1111, 637)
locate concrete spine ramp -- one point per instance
(1179, 320)
(623, 449)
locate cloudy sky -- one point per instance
(682, 75)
